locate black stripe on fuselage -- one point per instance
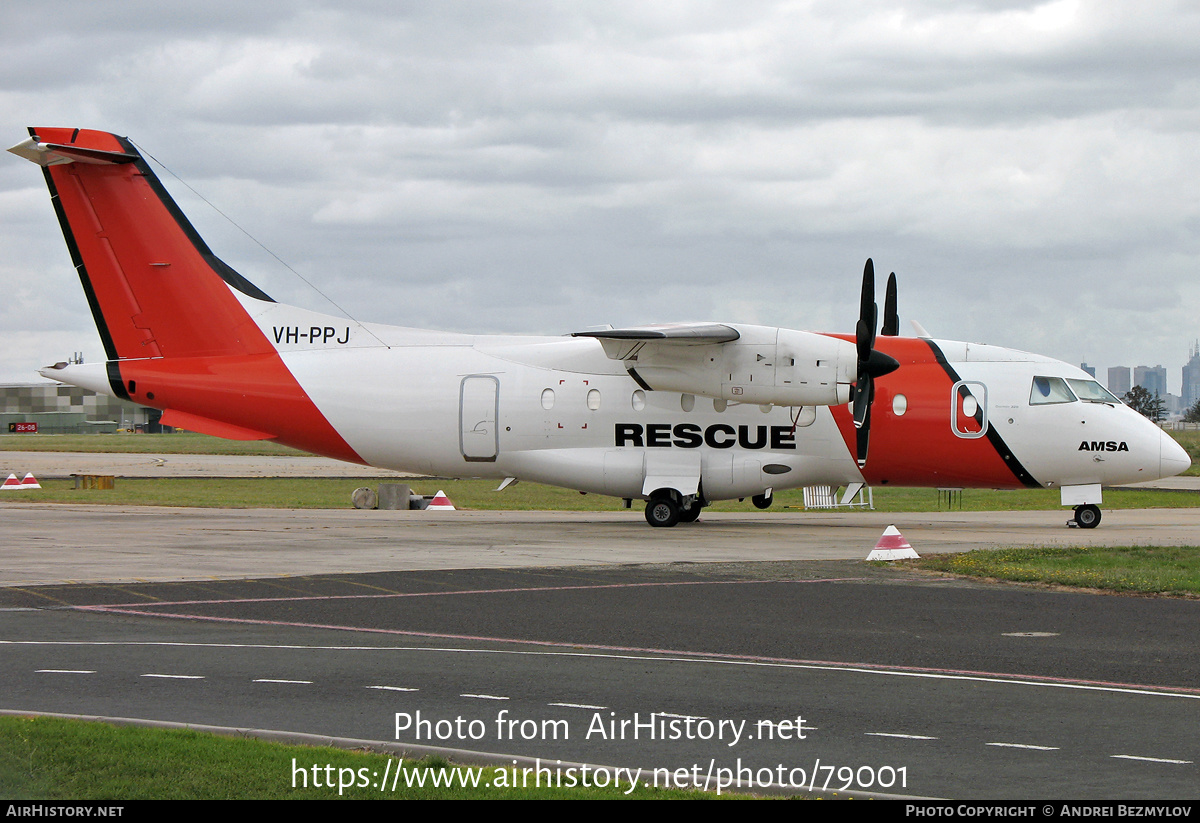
(1010, 459)
(113, 369)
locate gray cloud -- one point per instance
(544, 166)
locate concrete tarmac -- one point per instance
(56, 543)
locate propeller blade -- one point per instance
(863, 439)
(867, 311)
(866, 300)
(862, 400)
(862, 337)
(891, 320)
(862, 434)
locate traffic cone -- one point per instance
(892, 546)
(30, 482)
(441, 503)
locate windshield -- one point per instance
(1090, 391)
(1050, 390)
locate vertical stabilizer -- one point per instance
(176, 335)
(154, 286)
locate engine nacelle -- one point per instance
(782, 367)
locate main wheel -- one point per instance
(762, 501)
(1087, 517)
(690, 515)
(662, 512)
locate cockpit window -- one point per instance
(1090, 391)
(1050, 390)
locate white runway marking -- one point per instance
(177, 676)
(903, 736)
(677, 657)
(1025, 746)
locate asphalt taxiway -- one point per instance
(808, 672)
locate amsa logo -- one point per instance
(1103, 446)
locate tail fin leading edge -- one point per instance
(175, 336)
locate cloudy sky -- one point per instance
(1028, 169)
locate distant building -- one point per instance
(59, 409)
(1153, 380)
(1118, 380)
(1190, 392)
(1091, 370)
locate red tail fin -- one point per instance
(154, 286)
(176, 336)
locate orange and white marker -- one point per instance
(892, 546)
(30, 482)
(440, 503)
(11, 484)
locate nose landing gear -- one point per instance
(1086, 517)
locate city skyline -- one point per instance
(1156, 379)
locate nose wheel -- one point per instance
(1086, 517)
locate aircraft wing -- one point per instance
(741, 364)
(627, 344)
(680, 333)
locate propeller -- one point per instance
(871, 362)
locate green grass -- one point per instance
(334, 493)
(178, 443)
(55, 759)
(1140, 569)
(1190, 440)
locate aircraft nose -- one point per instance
(1172, 458)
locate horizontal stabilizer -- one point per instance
(56, 154)
(213, 428)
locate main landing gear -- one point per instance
(664, 509)
(1086, 517)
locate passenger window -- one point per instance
(1048, 390)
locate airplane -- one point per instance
(676, 415)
